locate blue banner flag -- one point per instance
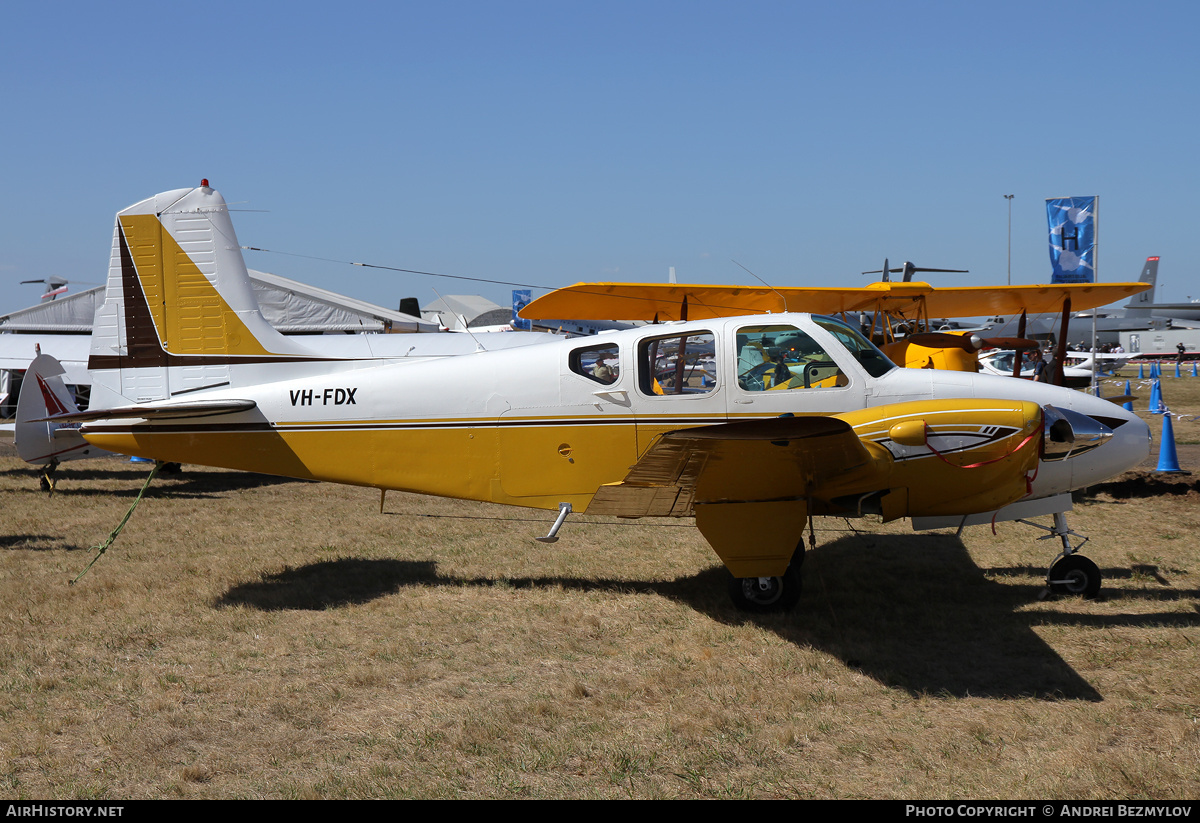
(521, 298)
(1072, 239)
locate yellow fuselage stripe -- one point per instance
(538, 462)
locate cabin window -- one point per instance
(1004, 361)
(599, 363)
(683, 364)
(772, 358)
(873, 361)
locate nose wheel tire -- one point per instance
(1075, 574)
(766, 594)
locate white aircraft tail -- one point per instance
(179, 309)
(1140, 303)
(43, 394)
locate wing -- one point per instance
(749, 483)
(664, 301)
(646, 301)
(980, 301)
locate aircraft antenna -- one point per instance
(782, 299)
(478, 346)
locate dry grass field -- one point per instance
(250, 637)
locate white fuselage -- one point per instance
(545, 403)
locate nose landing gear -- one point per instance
(1070, 573)
(1074, 574)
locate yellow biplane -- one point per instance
(894, 306)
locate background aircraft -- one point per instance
(1141, 312)
(891, 305)
(55, 286)
(16, 350)
(49, 443)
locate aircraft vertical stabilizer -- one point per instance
(179, 308)
(1140, 304)
(44, 394)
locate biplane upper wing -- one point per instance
(748, 483)
(667, 301)
(979, 301)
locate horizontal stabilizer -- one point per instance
(199, 408)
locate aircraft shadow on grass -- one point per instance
(182, 485)
(34, 542)
(911, 611)
(1140, 486)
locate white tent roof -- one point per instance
(66, 315)
(465, 305)
(290, 306)
(453, 309)
(293, 308)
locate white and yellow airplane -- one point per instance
(666, 420)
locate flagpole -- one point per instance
(1095, 279)
(1009, 198)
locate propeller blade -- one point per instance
(1016, 343)
(1019, 361)
(1121, 400)
(1060, 352)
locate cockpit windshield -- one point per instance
(772, 358)
(875, 362)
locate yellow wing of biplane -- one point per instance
(668, 301)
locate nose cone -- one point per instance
(1069, 433)
(1104, 441)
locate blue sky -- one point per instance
(553, 142)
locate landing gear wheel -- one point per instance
(49, 481)
(1075, 574)
(766, 594)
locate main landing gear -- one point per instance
(768, 594)
(48, 480)
(1070, 573)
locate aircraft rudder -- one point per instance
(44, 394)
(1149, 275)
